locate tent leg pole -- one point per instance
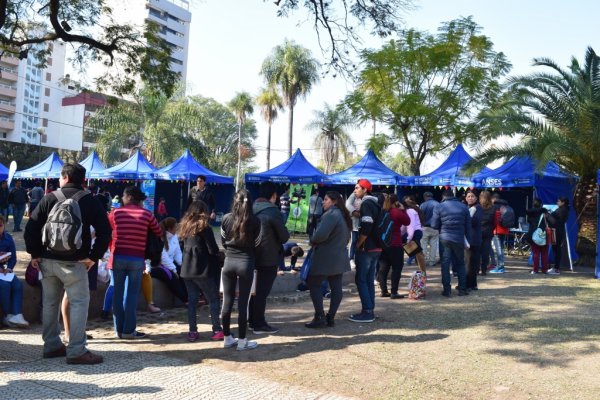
(568, 247)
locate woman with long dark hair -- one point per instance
(240, 235)
(487, 231)
(330, 258)
(131, 224)
(537, 219)
(474, 251)
(393, 256)
(200, 268)
(558, 219)
(414, 230)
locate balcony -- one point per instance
(8, 75)
(10, 60)
(7, 123)
(8, 91)
(7, 107)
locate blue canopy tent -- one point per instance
(449, 173)
(548, 184)
(296, 169)
(369, 167)
(92, 164)
(134, 168)
(186, 168)
(47, 169)
(3, 172)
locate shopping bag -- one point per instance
(417, 287)
(305, 270)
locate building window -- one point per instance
(48, 76)
(45, 122)
(49, 61)
(47, 92)
(46, 107)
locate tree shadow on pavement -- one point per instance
(37, 389)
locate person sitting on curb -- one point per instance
(11, 291)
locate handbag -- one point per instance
(551, 235)
(540, 236)
(32, 275)
(411, 248)
(306, 264)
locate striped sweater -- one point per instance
(130, 225)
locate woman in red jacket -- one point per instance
(393, 256)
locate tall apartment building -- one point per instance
(30, 100)
(174, 18)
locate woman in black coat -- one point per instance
(474, 251)
(558, 219)
(535, 218)
(487, 230)
(200, 268)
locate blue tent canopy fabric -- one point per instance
(549, 184)
(449, 173)
(296, 169)
(134, 168)
(369, 167)
(3, 172)
(47, 169)
(187, 168)
(92, 164)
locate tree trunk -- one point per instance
(239, 163)
(269, 148)
(585, 205)
(290, 130)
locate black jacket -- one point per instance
(273, 233)
(487, 222)
(4, 198)
(200, 256)
(18, 196)
(557, 219)
(533, 216)
(92, 214)
(205, 195)
(241, 249)
(369, 214)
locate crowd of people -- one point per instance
(69, 232)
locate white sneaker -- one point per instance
(553, 271)
(352, 264)
(245, 344)
(18, 321)
(229, 341)
(7, 322)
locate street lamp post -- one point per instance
(41, 130)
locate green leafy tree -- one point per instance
(558, 114)
(332, 138)
(31, 26)
(154, 123)
(294, 71)
(270, 103)
(428, 89)
(241, 106)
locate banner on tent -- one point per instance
(299, 203)
(149, 188)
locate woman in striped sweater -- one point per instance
(131, 225)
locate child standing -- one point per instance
(162, 213)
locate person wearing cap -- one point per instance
(431, 237)
(368, 251)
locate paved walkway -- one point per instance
(125, 374)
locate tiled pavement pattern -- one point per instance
(125, 374)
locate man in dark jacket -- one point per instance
(368, 251)
(431, 237)
(268, 254)
(454, 221)
(201, 192)
(4, 200)
(18, 198)
(68, 272)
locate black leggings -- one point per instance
(390, 257)
(175, 284)
(233, 270)
(316, 295)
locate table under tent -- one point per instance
(182, 173)
(369, 167)
(448, 175)
(519, 182)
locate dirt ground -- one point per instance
(518, 337)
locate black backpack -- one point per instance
(154, 248)
(507, 216)
(384, 228)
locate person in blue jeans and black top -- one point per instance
(368, 251)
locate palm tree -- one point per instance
(241, 106)
(292, 68)
(332, 140)
(270, 103)
(559, 115)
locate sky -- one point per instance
(230, 39)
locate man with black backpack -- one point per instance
(368, 250)
(59, 240)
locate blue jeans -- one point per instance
(353, 239)
(4, 211)
(498, 243)
(124, 315)
(18, 211)
(73, 277)
(453, 253)
(366, 263)
(11, 296)
(285, 215)
(211, 293)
